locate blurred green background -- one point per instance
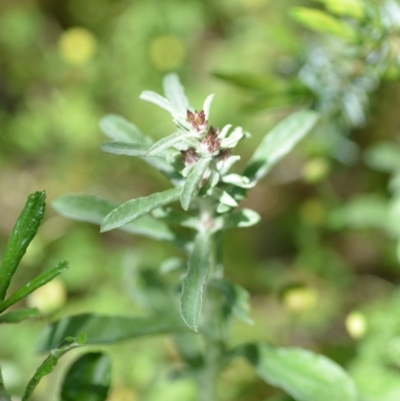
(64, 64)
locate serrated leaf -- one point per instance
(3, 392)
(195, 280)
(92, 209)
(242, 218)
(107, 329)
(279, 142)
(135, 208)
(191, 185)
(51, 361)
(175, 93)
(124, 148)
(19, 315)
(43, 278)
(23, 232)
(88, 378)
(302, 374)
(119, 129)
(158, 100)
(167, 142)
(320, 21)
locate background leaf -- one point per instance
(106, 329)
(302, 374)
(3, 392)
(88, 378)
(24, 230)
(19, 315)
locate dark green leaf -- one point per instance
(279, 142)
(191, 186)
(43, 278)
(302, 374)
(19, 315)
(24, 230)
(93, 210)
(135, 208)
(51, 361)
(121, 130)
(195, 280)
(88, 378)
(124, 148)
(3, 392)
(107, 329)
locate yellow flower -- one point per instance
(77, 46)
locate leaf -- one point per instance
(135, 208)
(302, 374)
(106, 329)
(191, 185)
(23, 232)
(51, 361)
(158, 100)
(93, 210)
(167, 142)
(238, 180)
(237, 300)
(279, 142)
(88, 378)
(195, 280)
(207, 106)
(175, 93)
(124, 148)
(242, 218)
(119, 129)
(223, 197)
(232, 140)
(351, 8)
(320, 21)
(3, 392)
(384, 156)
(19, 315)
(43, 278)
(247, 81)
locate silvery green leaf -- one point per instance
(191, 185)
(224, 131)
(238, 180)
(211, 182)
(223, 197)
(119, 129)
(207, 106)
(225, 165)
(242, 218)
(303, 374)
(172, 264)
(175, 93)
(135, 208)
(167, 142)
(279, 142)
(195, 280)
(172, 216)
(222, 208)
(232, 140)
(124, 148)
(158, 100)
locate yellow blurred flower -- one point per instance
(77, 46)
(356, 324)
(166, 52)
(299, 299)
(49, 297)
(315, 170)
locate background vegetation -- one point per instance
(322, 270)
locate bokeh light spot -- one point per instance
(167, 52)
(77, 46)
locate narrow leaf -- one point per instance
(43, 278)
(302, 374)
(24, 230)
(19, 315)
(124, 148)
(175, 93)
(238, 180)
(51, 361)
(135, 208)
(121, 130)
(191, 186)
(88, 378)
(207, 106)
(3, 392)
(279, 142)
(167, 142)
(93, 210)
(107, 329)
(242, 218)
(195, 280)
(160, 101)
(223, 197)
